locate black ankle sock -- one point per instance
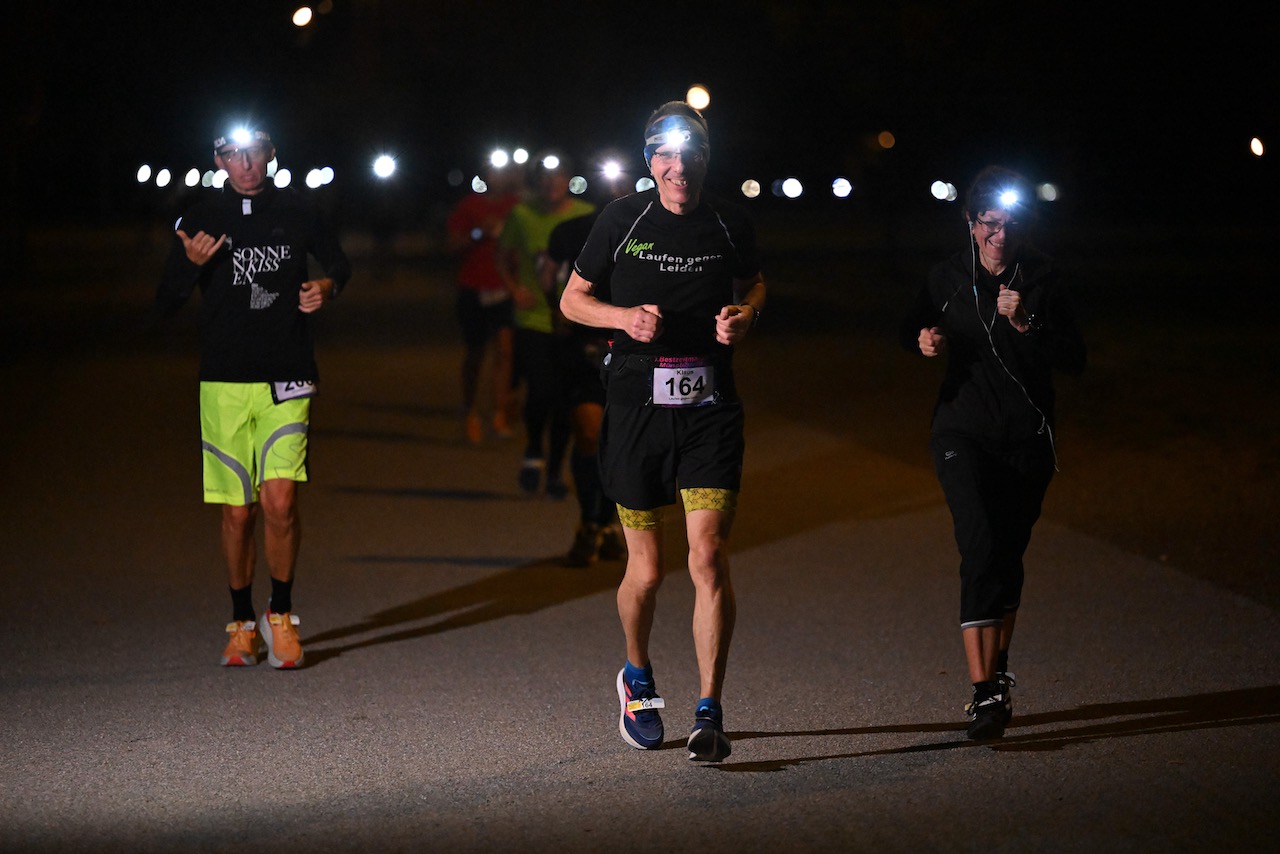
(242, 604)
(1002, 661)
(281, 596)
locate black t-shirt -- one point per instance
(251, 327)
(686, 265)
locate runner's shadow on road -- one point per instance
(524, 589)
(1242, 707)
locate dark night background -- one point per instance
(1134, 111)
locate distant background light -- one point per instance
(384, 166)
(144, 173)
(751, 188)
(1255, 145)
(219, 178)
(550, 162)
(886, 139)
(313, 179)
(302, 16)
(645, 183)
(577, 185)
(841, 188)
(193, 177)
(326, 175)
(612, 170)
(944, 191)
(520, 156)
(455, 177)
(478, 185)
(163, 177)
(284, 178)
(698, 97)
(499, 158)
(1047, 192)
(792, 188)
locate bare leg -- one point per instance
(981, 646)
(282, 526)
(1006, 630)
(638, 592)
(239, 548)
(715, 608)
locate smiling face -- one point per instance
(679, 172)
(997, 235)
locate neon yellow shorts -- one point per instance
(247, 438)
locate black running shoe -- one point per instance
(1006, 681)
(707, 741)
(530, 477)
(987, 712)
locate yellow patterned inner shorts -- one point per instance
(698, 498)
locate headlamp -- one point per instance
(241, 136)
(679, 130)
(675, 136)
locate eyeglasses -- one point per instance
(994, 226)
(686, 156)
(254, 153)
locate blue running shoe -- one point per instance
(640, 723)
(707, 741)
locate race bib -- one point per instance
(683, 381)
(292, 389)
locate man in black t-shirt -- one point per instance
(684, 287)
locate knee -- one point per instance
(709, 562)
(643, 576)
(279, 506)
(238, 516)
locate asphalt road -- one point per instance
(459, 693)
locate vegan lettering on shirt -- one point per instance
(668, 263)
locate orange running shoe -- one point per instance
(242, 649)
(284, 650)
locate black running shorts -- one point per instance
(648, 453)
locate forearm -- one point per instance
(579, 304)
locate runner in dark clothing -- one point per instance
(1003, 316)
(581, 351)
(685, 286)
